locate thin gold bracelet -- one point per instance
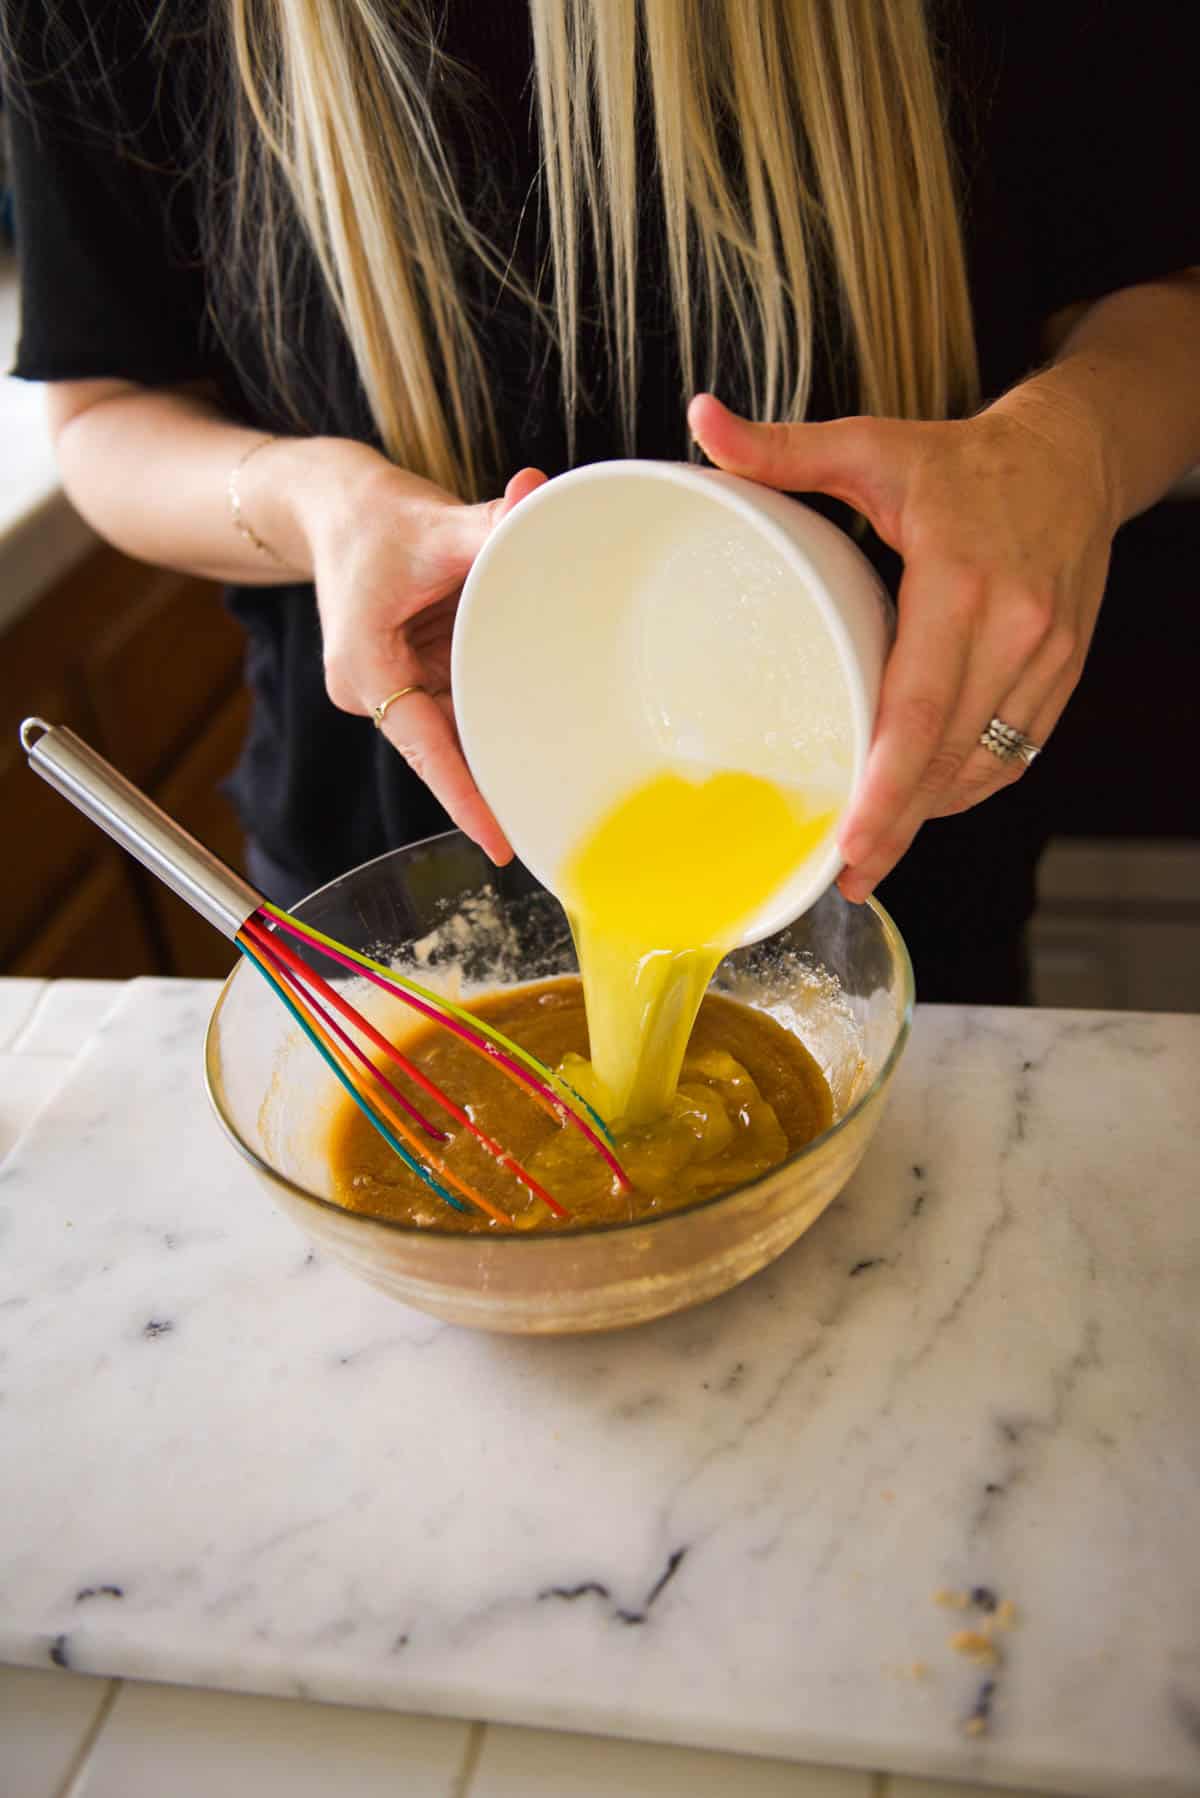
(240, 522)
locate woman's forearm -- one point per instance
(150, 469)
(1128, 374)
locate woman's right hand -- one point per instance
(388, 553)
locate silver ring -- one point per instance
(1008, 743)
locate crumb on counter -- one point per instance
(915, 1670)
(976, 1645)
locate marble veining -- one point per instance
(224, 1462)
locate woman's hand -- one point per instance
(1004, 522)
(153, 469)
(388, 553)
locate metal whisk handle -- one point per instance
(138, 825)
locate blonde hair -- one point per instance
(795, 141)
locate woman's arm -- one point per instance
(1128, 367)
(387, 551)
(1005, 523)
(149, 469)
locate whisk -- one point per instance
(336, 1028)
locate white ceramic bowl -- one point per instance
(634, 615)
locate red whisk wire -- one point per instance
(316, 1019)
(281, 951)
(481, 1043)
(348, 1043)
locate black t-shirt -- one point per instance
(1072, 123)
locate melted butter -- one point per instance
(657, 893)
(749, 1095)
(717, 1130)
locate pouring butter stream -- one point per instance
(657, 893)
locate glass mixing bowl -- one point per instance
(839, 977)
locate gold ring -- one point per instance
(380, 712)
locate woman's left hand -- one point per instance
(1004, 522)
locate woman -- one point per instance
(323, 289)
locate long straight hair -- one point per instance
(794, 142)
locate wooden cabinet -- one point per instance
(146, 665)
(98, 929)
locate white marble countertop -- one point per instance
(228, 1465)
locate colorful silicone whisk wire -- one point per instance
(281, 950)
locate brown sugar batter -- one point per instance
(749, 1095)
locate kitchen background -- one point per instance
(146, 665)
